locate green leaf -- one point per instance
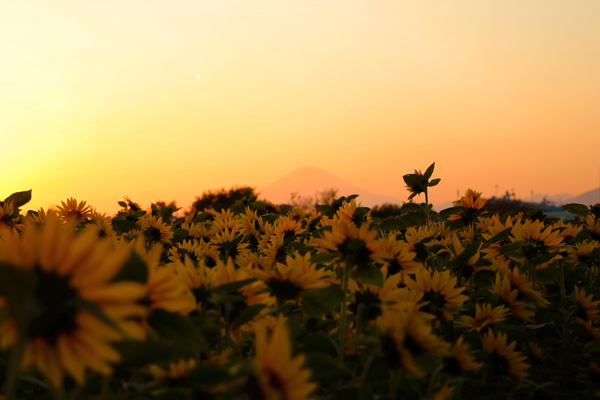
(411, 207)
(20, 198)
(576, 209)
(434, 182)
(141, 353)
(503, 235)
(122, 204)
(319, 342)
(391, 224)
(207, 374)
(318, 302)
(429, 171)
(451, 211)
(122, 225)
(248, 315)
(323, 258)
(178, 330)
(231, 287)
(135, 269)
(592, 347)
(369, 275)
(484, 278)
(325, 369)
(179, 235)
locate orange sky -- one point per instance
(162, 100)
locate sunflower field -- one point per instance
(254, 303)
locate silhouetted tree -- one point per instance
(386, 210)
(325, 196)
(223, 199)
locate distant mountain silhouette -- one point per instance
(307, 181)
(588, 198)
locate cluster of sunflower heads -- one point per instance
(252, 302)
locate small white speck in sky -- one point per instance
(198, 77)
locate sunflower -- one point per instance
(287, 227)
(350, 212)
(6, 214)
(505, 360)
(354, 246)
(370, 299)
(400, 258)
(166, 288)
(230, 243)
(439, 290)
(484, 316)
(406, 336)
(279, 375)
(473, 204)
(537, 239)
(72, 209)
(287, 281)
(519, 281)
(587, 309)
(461, 359)
(71, 271)
(583, 250)
(509, 296)
(154, 229)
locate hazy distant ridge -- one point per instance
(307, 181)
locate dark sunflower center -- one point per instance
(412, 345)
(356, 251)
(370, 302)
(55, 309)
(499, 364)
(276, 383)
(153, 234)
(283, 290)
(74, 214)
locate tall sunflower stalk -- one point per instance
(418, 183)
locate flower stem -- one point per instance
(342, 329)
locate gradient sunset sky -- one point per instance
(161, 100)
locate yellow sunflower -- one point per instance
(154, 229)
(400, 257)
(63, 336)
(72, 209)
(353, 245)
(461, 359)
(473, 203)
(587, 309)
(537, 238)
(505, 360)
(288, 280)
(6, 214)
(439, 290)
(280, 376)
(405, 336)
(484, 316)
(509, 296)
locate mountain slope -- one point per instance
(307, 181)
(588, 198)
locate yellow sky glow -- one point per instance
(157, 101)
